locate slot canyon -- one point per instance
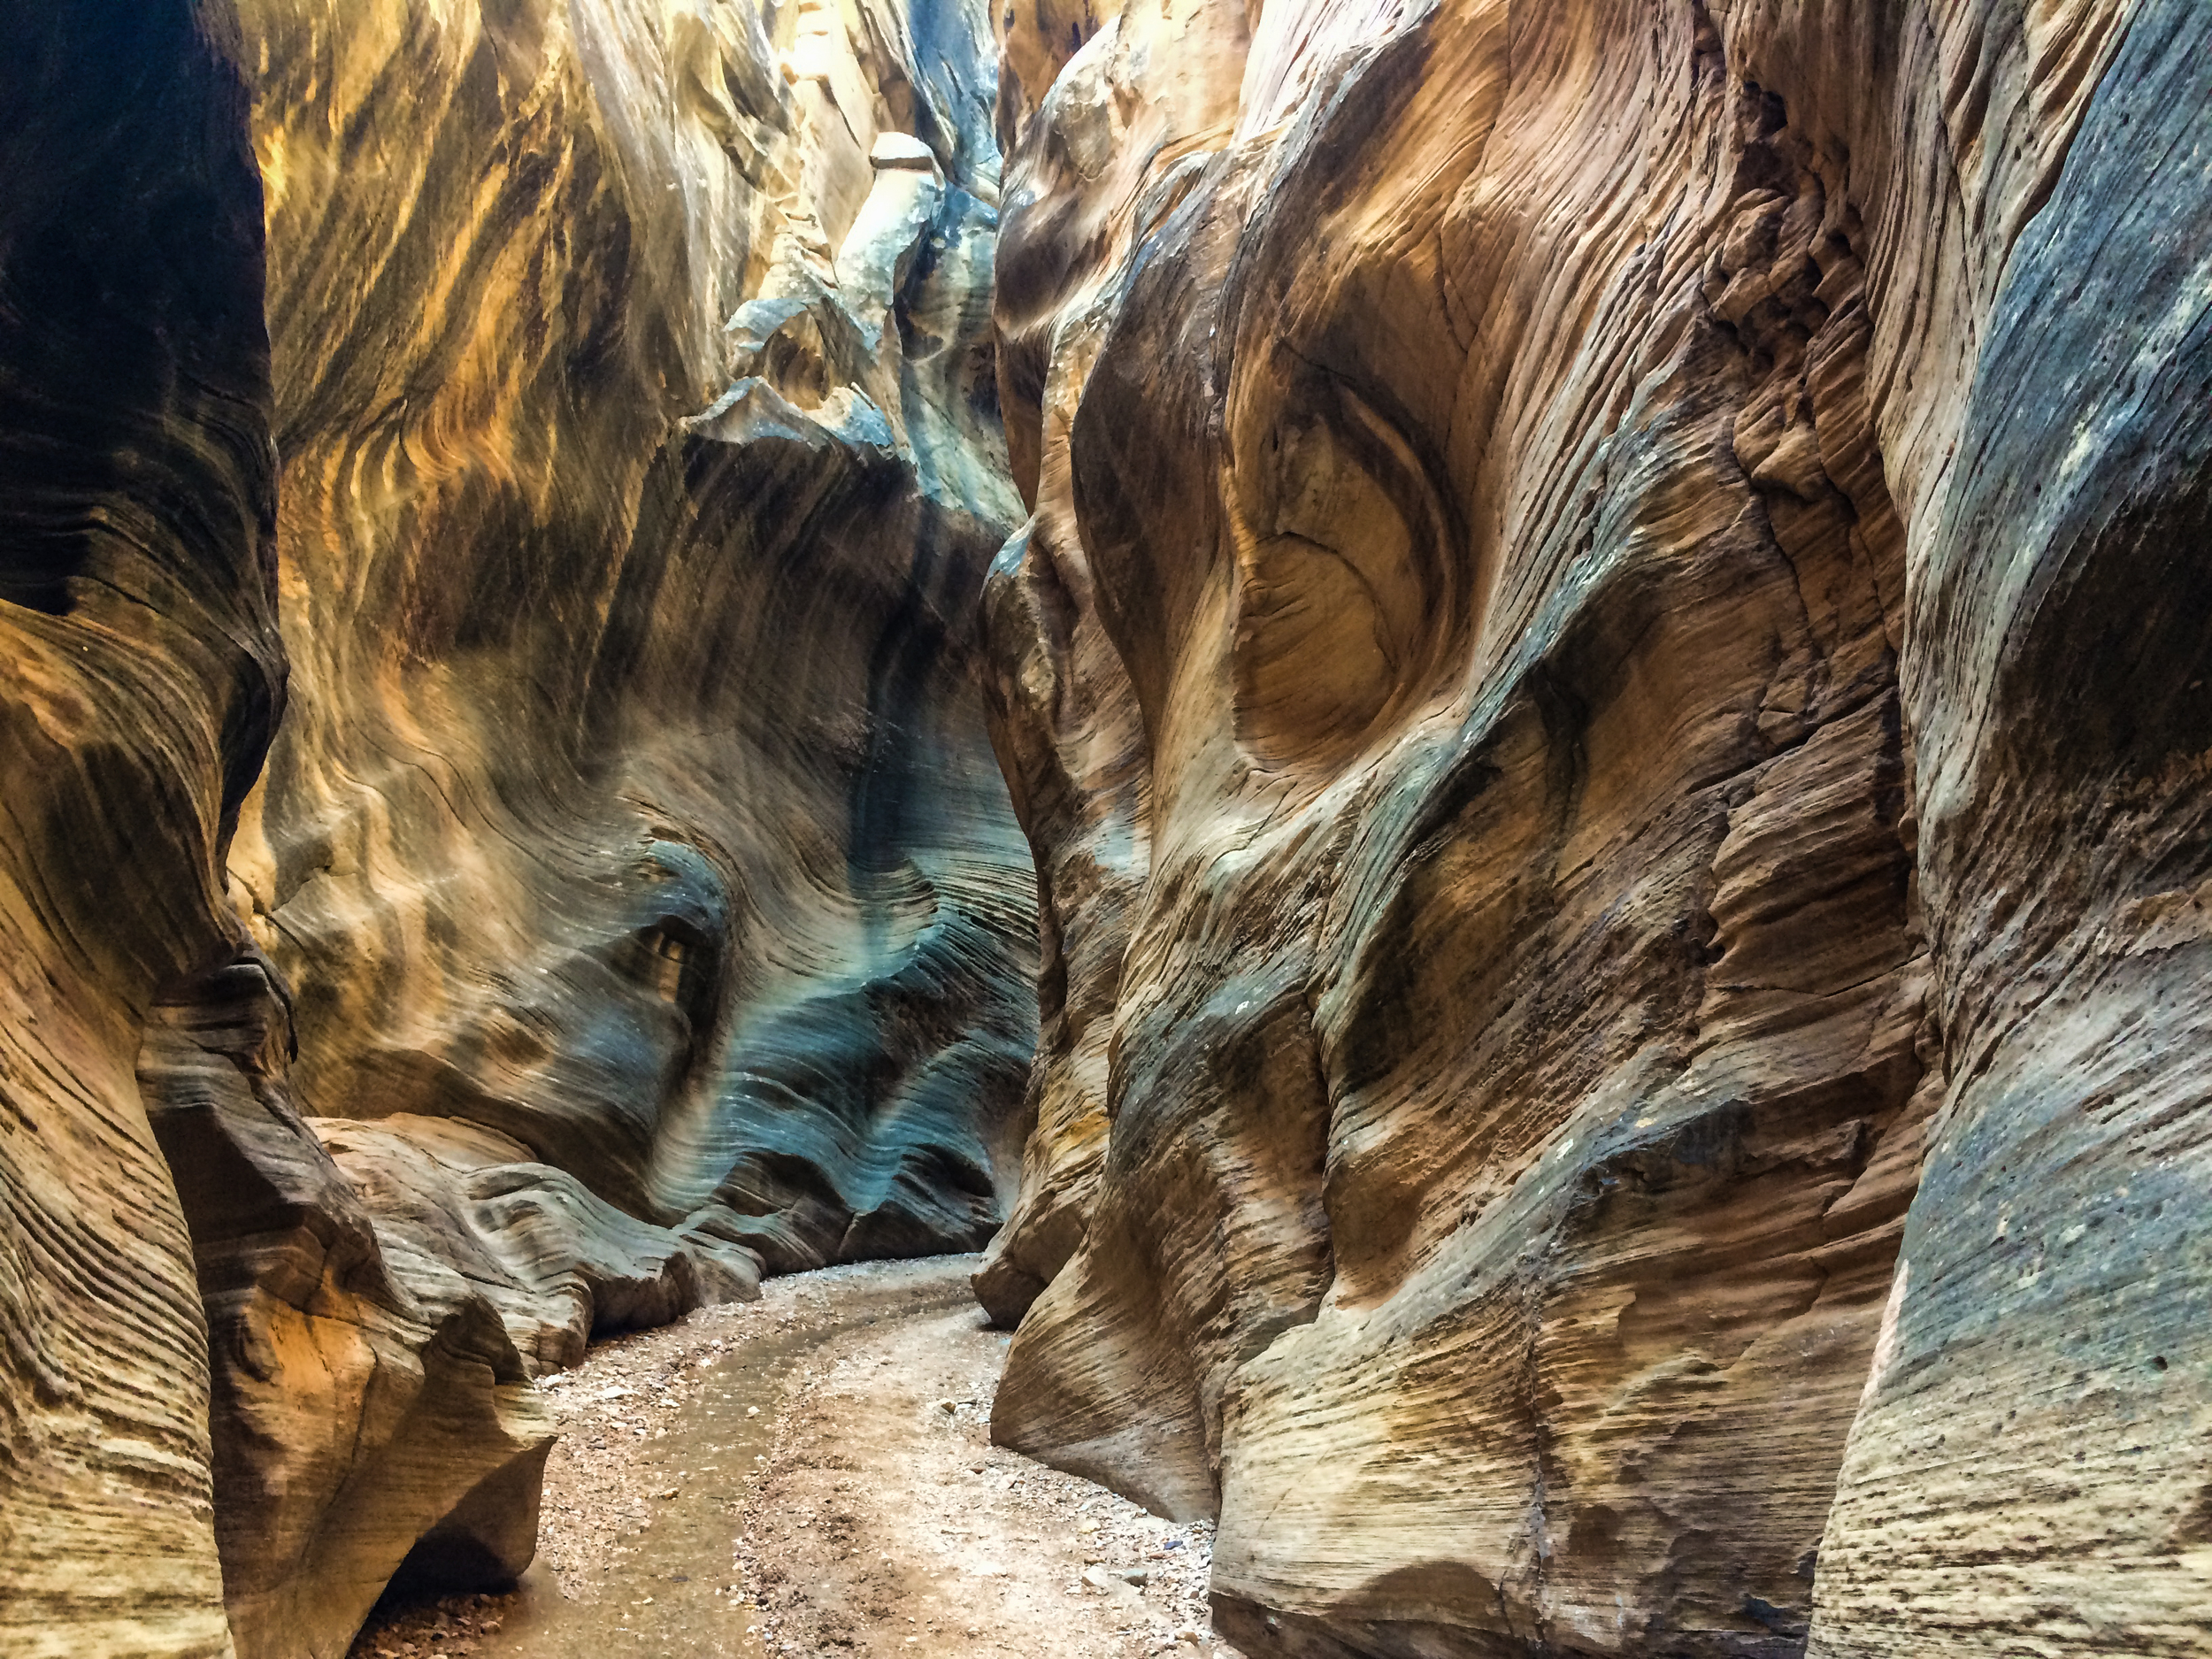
(1414, 794)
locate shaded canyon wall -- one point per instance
(589, 409)
(1608, 673)
(640, 470)
(140, 676)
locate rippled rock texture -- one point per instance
(1607, 671)
(141, 675)
(593, 404)
(641, 470)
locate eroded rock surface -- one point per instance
(1608, 672)
(602, 396)
(1605, 675)
(640, 474)
(141, 674)
(365, 1394)
(635, 848)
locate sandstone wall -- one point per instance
(1607, 672)
(640, 471)
(141, 675)
(634, 848)
(601, 396)
(1605, 676)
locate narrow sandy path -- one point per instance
(811, 1474)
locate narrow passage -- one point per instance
(812, 1474)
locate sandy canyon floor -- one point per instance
(812, 1473)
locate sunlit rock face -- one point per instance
(641, 472)
(594, 403)
(1607, 671)
(651, 904)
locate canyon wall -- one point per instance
(140, 676)
(640, 471)
(1608, 674)
(1605, 676)
(593, 405)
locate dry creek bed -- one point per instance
(812, 1474)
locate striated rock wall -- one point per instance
(634, 850)
(1606, 672)
(141, 675)
(366, 1387)
(602, 396)
(640, 471)
(1605, 678)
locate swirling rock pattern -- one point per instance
(1608, 672)
(1605, 675)
(141, 674)
(602, 396)
(371, 1409)
(640, 473)
(635, 852)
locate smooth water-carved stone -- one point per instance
(1616, 863)
(140, 674)
(635, 852)
(631, 897)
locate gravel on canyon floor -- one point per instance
(812, 1474)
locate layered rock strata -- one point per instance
(634, 847)
(364, 1393)
(630, 900)
(1607, 673)
(141, 675)
(640, 473)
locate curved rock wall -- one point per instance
(631, 900)
(634, 850)
(640, 471)
(1605, 676)
(1606, 671)
(141, 674)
